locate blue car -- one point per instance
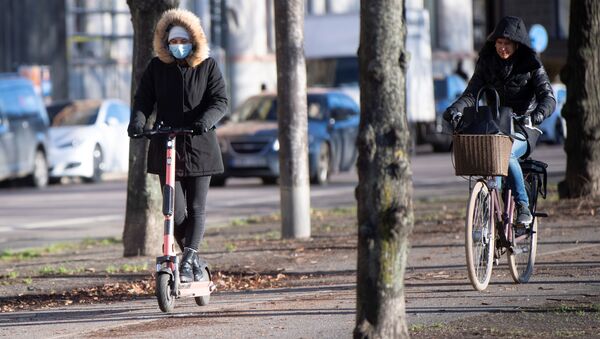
(554, 127)
(24, 140)
(249, 144)
(446, 91)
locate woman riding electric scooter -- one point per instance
(188, 90)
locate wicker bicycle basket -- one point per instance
(484, 155)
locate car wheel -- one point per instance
(54, 180)
(559, 137)
(441, 147)
(321, 177)
(39, 175)
(98, 165)
(217, 181)
(269, 180)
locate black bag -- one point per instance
(487, 119)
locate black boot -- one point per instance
(197, 268)
(185, 268)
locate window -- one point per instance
(118, 112)
(17, 101)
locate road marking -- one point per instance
(72, 222)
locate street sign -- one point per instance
(538, 37)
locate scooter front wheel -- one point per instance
(166, 301)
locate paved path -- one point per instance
(567, 269)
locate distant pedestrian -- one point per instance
(188, 90)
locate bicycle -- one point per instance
(490, 228)
(168, 285)
(491, 231)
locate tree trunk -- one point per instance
(582, 109)
(142, 234)
(384, 191)
(292, 119)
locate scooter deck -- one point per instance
(196, 289)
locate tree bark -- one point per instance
(292, 119)
(384, 191)
(142, 234)
(582, 109)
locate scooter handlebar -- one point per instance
(164, 131)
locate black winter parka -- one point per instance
(521, 81)
(183, 96)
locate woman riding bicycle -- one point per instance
(509, 64)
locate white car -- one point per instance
(88, 138)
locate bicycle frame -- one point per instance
(503, 216)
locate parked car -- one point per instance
(445, 90)
(554, 128)
(89, 138)
(249, 143)
(24, 138)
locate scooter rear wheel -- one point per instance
(204, 300)
(166, 301)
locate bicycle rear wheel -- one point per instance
(521, 257)
(479, 237)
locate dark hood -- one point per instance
(512, 28)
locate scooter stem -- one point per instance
(169, 198)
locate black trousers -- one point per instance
(190, 206)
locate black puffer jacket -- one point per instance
(521, 81)
(183, 96)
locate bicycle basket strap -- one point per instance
(487, 119)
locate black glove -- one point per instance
(199, 128)
(537, 118)
(134, 129)
(450, 114)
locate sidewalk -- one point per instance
(306, 289)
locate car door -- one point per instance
(7, 144)
(18, 137)
(26, 118)
(344, 119)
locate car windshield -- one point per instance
(77, 114)
(264, 108)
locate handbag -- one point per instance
(494, 119)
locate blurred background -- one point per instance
(74, 50)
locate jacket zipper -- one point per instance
(183, 145)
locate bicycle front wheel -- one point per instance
(521, 257)
(479, 236)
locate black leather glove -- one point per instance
(134, 129)
(450, 114)
(199, 128)
(537, 118)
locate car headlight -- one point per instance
(276, 145)
(73, 143)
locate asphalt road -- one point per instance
(72, 212)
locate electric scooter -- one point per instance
(168, 285)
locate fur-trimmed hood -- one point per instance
(189, 21)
